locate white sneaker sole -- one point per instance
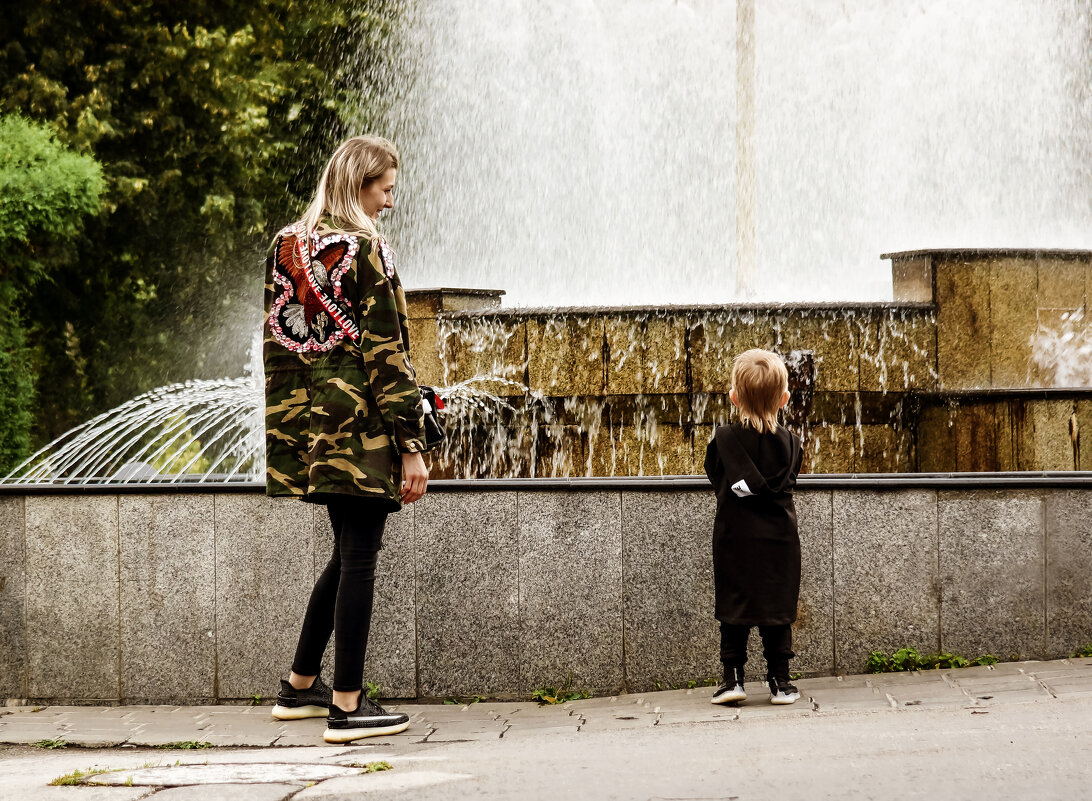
(299, 712)
(728, 698)
(782, 700)
(348, 735)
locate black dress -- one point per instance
(756, 546)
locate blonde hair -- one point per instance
(759, 379)
(356, 163)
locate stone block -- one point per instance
(963, 323)
(1068, 566)
(425, 351)
(1084, 431)
(935, 445)
(1043, 436)
(491, 352)
(912, 279)
(671, 635)
(168, 592)
(831, 448)
(625, 338)
(814, 629)
(1013, 322)
(976, 432)
(1061, 283)
(72, 597)
(878, 449)
(665, 354)
(886, 585)
(468, 615)
(992, 573)
(565, 354)
(390, 659)
(13, 663)
(570, 573)
(834, 341)
(897, 351)
(710, 340)
(264, 575)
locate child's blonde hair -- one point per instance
(759, 379)
(356, 163)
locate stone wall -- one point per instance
(498, 589)
(636, 391)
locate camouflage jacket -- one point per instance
(342, 401)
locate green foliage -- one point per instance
(256, 699)
(210, 121)
(1082, 652)
(51, 744)
(474, 699)
(186, 745)
(372, 690)
(560, 694)
(375, 767)
(46, 191)
(909, 659)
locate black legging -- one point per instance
(341, 601)
(776, 647)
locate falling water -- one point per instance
(583, 152)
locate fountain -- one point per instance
(588, 153)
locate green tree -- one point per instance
(206, 118)
(46, 191)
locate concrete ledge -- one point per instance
(500, 587)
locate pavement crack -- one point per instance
(814, 704)
(504, 731)
(1046, 687)
(891, 700)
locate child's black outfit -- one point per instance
(756, 545)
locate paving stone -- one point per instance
(885, 574)
(168, 611)
(1068, 566)
(670, 632)
(13, 663)
(262, 546)
(72, 597)
(570, 569)
(351, 788)
(218, 774)
(230, 792)
(992, 573)
(521, 732)
(849, 698)
(467, 564)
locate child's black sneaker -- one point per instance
(782, 692)
(293, 704)
(369, 719)
(731, 689)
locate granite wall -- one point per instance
(498, 590)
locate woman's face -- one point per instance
(379, 194)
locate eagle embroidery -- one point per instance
(307, 271)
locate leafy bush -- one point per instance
(909, 659)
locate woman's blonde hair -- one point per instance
(759, 379)
(355, 164)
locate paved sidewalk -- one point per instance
(291, 760)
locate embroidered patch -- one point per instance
(309, 312)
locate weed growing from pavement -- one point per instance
(1083, 652)
(372, 690)
(77, 777)
(51, 744)
(371, 767)
(186, 745)
(560, 694)
(909, 659)
(463, 702)
(256, 699)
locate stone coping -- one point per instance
(492, 293)
(674, 308)
(1054, 253)
(817, 481)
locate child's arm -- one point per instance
(713, 467)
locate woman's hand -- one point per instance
(414, 477)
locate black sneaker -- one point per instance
(293, 704)
(782, 692)
(369, 719)
(731, 689)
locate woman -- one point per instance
(344, 423)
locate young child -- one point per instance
(753, 466)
